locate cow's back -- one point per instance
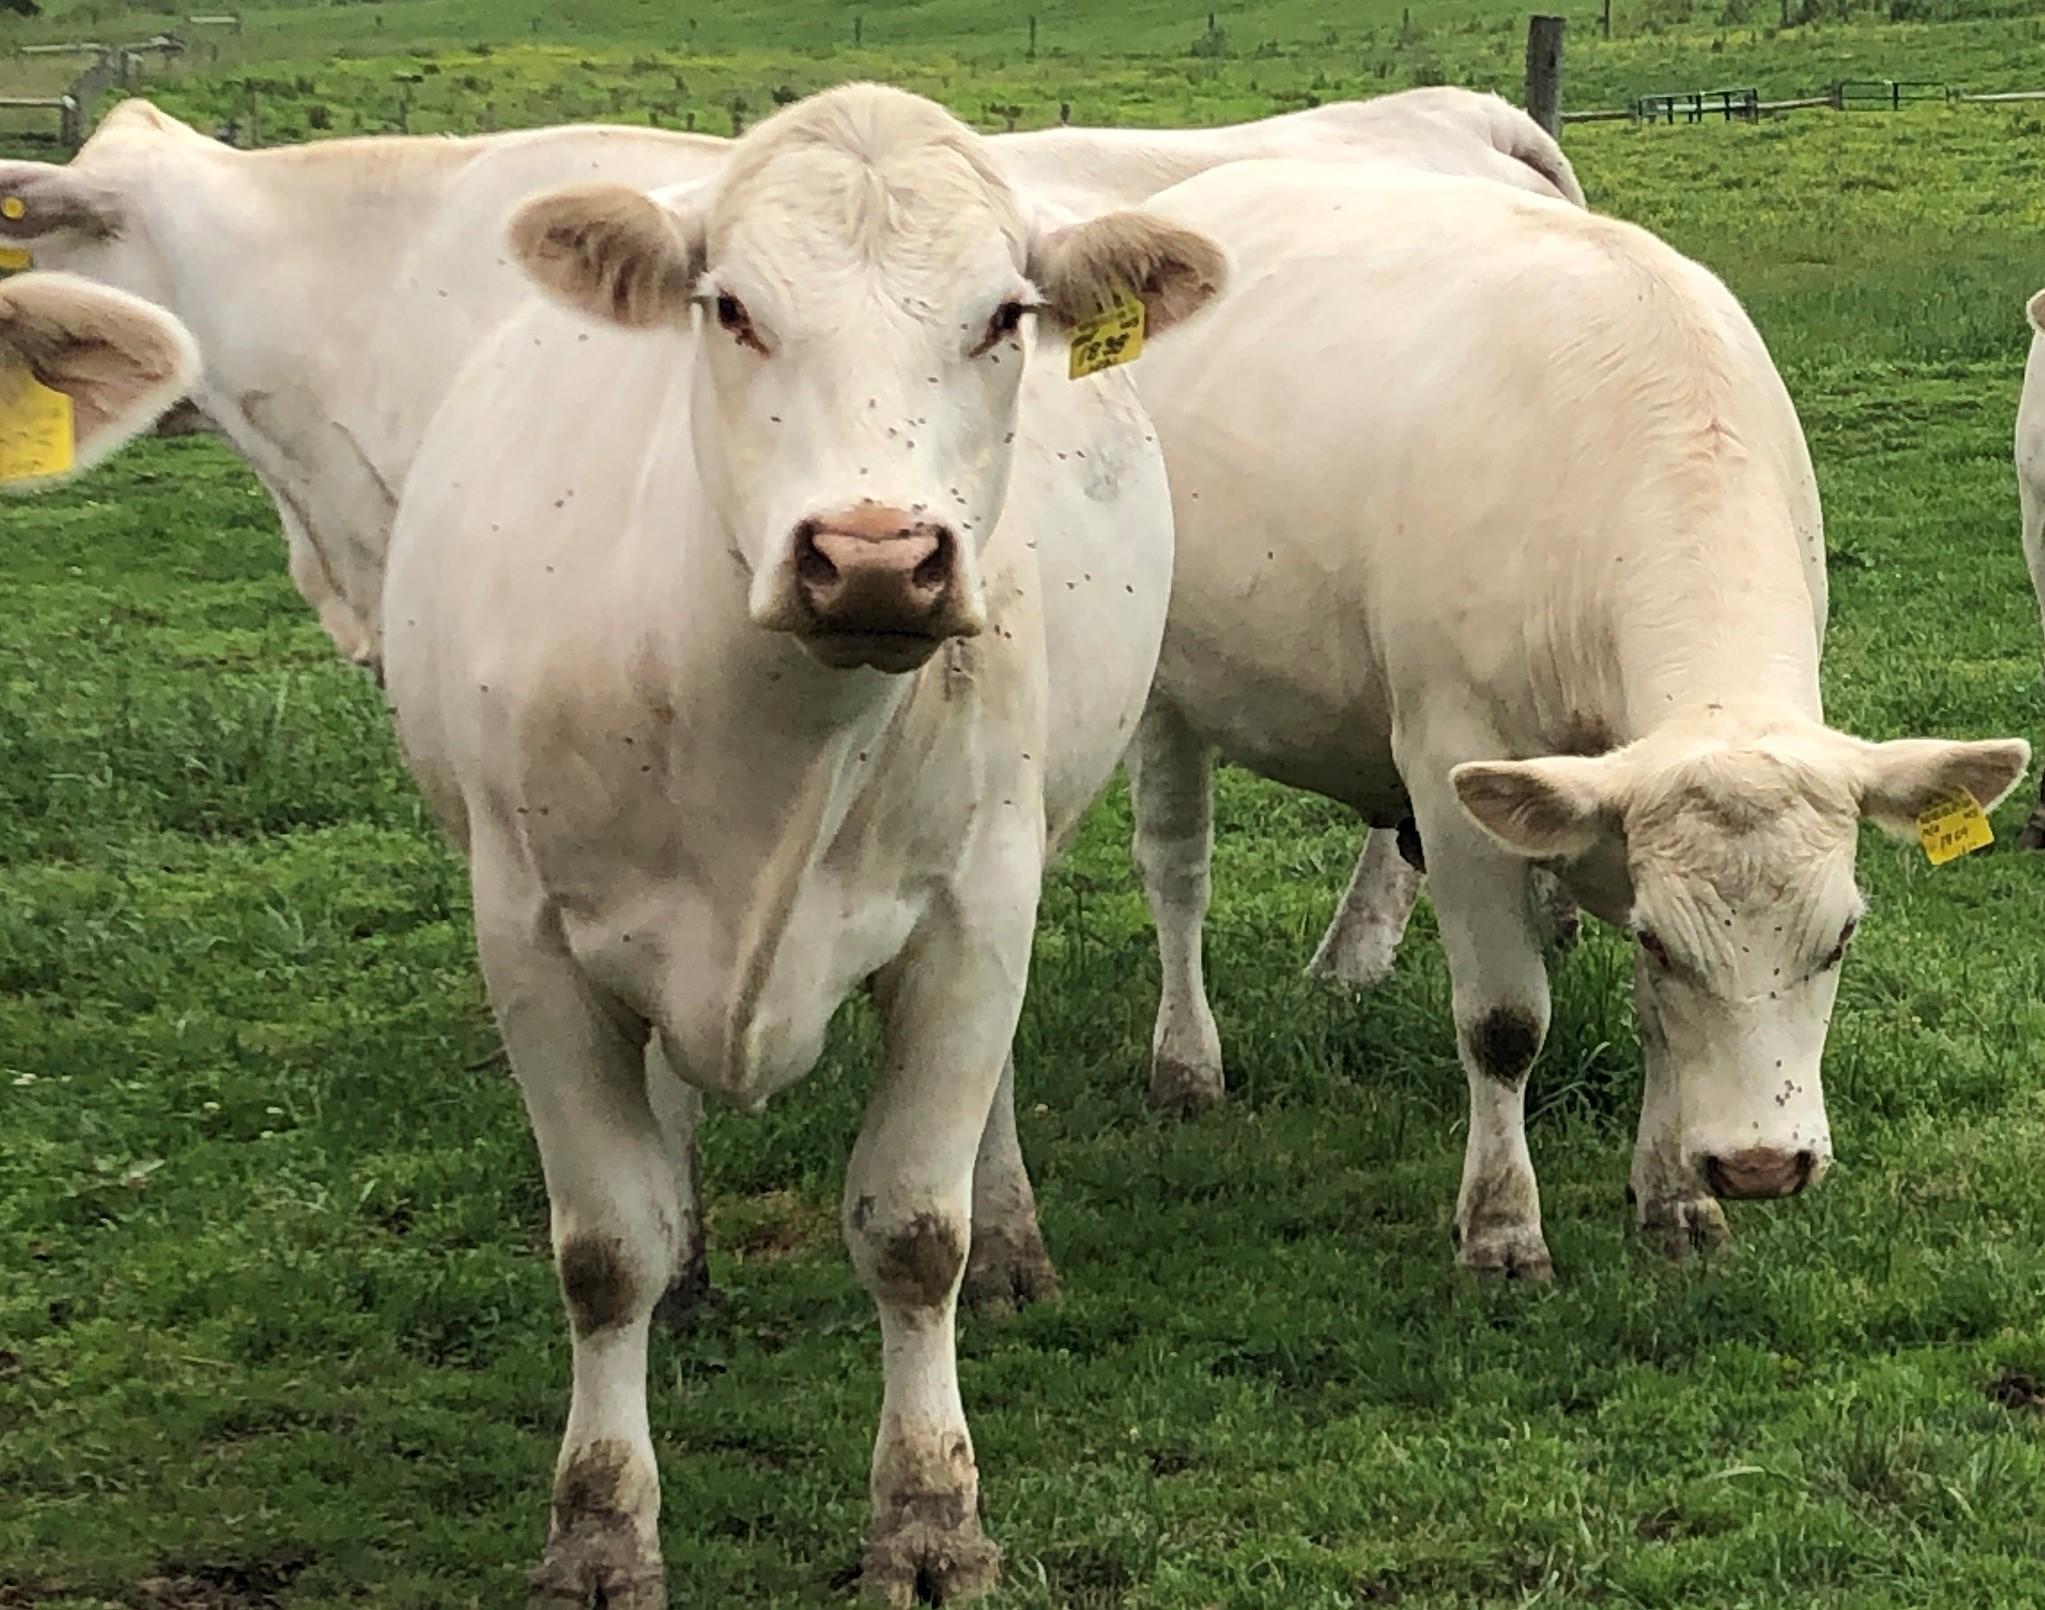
(1428, 410)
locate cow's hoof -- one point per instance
(923, 1561)
(1361, 963)
(1181, 1090)
(688, 1297)
(1678, 1226)
(1505, 1252)
(602, 1570)
(1006, 1272)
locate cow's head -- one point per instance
(78, 217)
(1732, 863)
(865, 288)
(117, 361)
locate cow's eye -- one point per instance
(733, 317)
(1838, 952)
(1006, 321)
(1651, 944)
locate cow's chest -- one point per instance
(731, 887)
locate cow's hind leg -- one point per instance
(581, 1067)
(949, 1004)
(1363, 941)
(1172, 792)
(1008, 1266)
(1484, 905)
(678, 1108)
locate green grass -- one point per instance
(278, 1325)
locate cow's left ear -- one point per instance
(613, 252)
(1082, 267)
(120, 361)
(1902, 779)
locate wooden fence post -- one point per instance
(1608, 17)
(1544, 72)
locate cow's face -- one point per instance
(865, 291)
(1740, 894)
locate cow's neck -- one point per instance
(1715, 627)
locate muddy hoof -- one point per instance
(687, 1299)
(1364, 964)
(605, 1571)
(1506, 1253)
(1677, 1227)
(1005, 1273)
(923, 1562)
(1180, 1090)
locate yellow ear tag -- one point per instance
(13, 259)
(1109, 338)
(1952, 828)
(13, 208)
(36, 433)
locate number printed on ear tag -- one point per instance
(1952, 828)
(1109, 338)
(36, 434)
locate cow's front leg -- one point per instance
(1363, 941)
(1483, 904)
(581, 1069)
(1008, 1266)
(1171, 792)
(950, 1004)
(678, 1108)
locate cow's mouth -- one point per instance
(894, 652)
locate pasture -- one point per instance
(278, 1325)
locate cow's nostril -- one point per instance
(811, 564)
(934, 569)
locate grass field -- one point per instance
(277, 1323)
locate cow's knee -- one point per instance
(603, 1284)
(1502, 1042)
(911, 1258)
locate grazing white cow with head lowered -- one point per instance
(1536, 498)
(760, 626)
(82, 370)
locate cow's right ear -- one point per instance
(613, 252)
(40, 199)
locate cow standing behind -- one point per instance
(1524, 486)
(758, 641)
